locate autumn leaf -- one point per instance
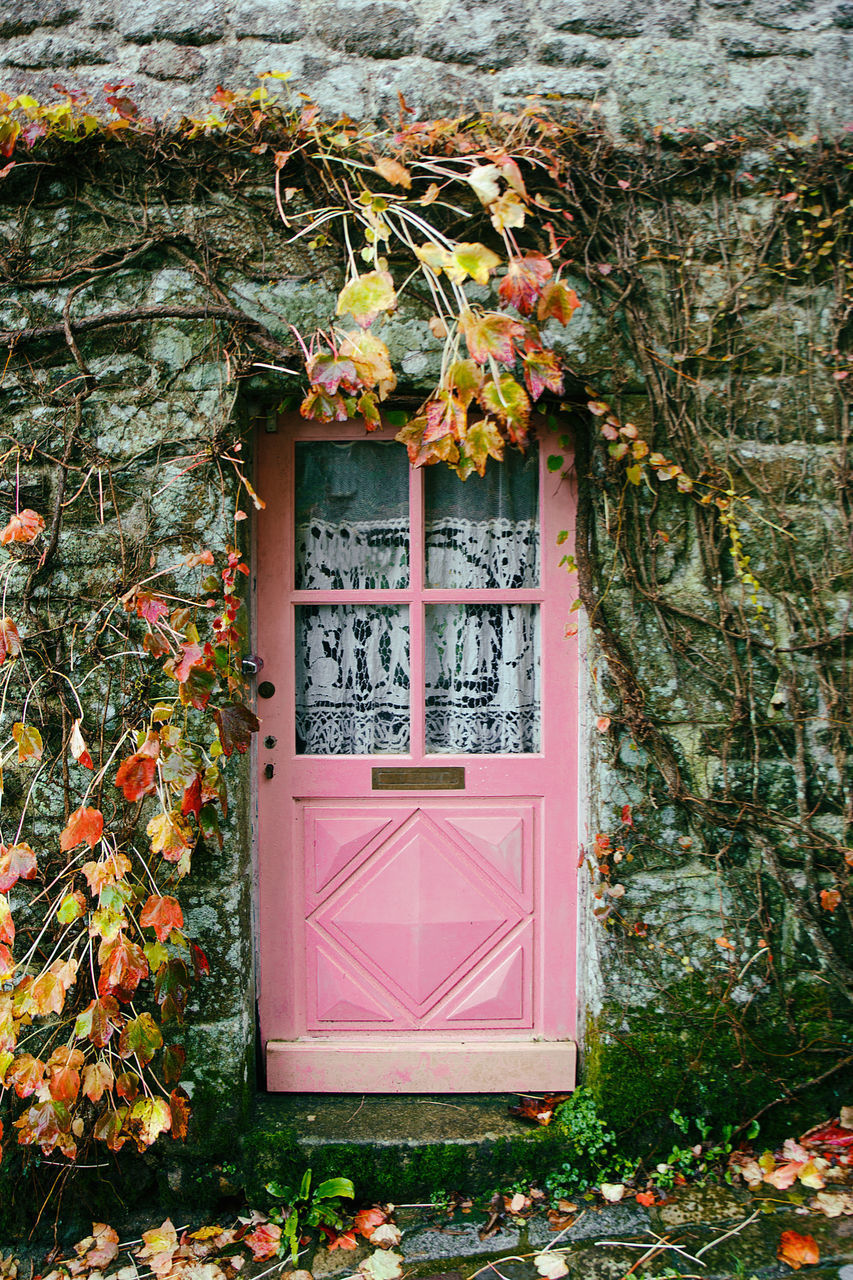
(473, 260)
(47, 1125)
(829, 899)
(100, 875)
(10, 641)
(26, 1074)
(542, 373)
(332, 373)
(550, 1265)
(559, 301)
(367, 1220)
(174, 1057)
(7, 924)
(179, 1106)
(78, 748)
(386, 1236)
(394, 172)
(263, 1241)
(236, 725)
(490, 334)
(98, 1021)
(483, 441)
(98, 1079)
(23, 527)
(507, 211)
(123, 966)
(192, 655)
(140, 1038)
(135, 776)
(372, 361)
(63, 1075)
(48, 993)
(103, 1245)
(797, 1250)
(17, 862)
(162, 915)
(30, 745)
(319, 406)
(508, 402)
(523, 282)
(85, 826)
(382, 1265)
(483, 178)
(366, 296)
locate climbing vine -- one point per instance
(498, 236)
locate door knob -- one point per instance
(251, 664)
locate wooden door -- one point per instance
(417, 769)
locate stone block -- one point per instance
(163, 61)
(761, 45)
(574, 51)
(371, 28)
(427, 92)
(492, 36)
(279, 21)
(181, 21)
(26, 15)
(595, 17)
(56, 51)
(843, 15)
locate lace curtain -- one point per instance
(352, 661)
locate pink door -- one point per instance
(418, 771)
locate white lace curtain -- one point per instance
(352, 661)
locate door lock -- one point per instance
(251, 664)
(269, 770)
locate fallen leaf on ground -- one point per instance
(538, 1110)
(386, 1236)
(382, 1265)
(833, 1204)
(367, 1220)
(551, 1265)
(612, 1191)
(797, 1250)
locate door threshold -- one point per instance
(387, 1066)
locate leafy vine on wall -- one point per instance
(493, 231)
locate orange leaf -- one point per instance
(23, 527)
(84, 826)
(179, 1105)
(28, 738)
(797, 1250)
(123, 966)
(367, 1220)
(162, 915)
(344, 1240)
(135, 776)
(108, 871)
(645, 1197)
(829, 899)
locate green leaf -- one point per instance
(396, 418)
(305, 1185)
(554, 462)
(335, 1187)
(473, 260)
(634, 474)
(366, 296)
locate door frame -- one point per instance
(544, 1058)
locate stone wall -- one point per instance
(729, 64)
(165, 393)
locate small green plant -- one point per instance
(593, 1156)
(304, 1209)
(695, 1159)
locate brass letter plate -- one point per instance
(414, 779)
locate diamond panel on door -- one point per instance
(430, 923)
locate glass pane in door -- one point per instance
(484, 531)
(351, 514)
(352, 679)
(482, 678)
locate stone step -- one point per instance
(400, 1147)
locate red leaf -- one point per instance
(645, 1197)
(23, 527)
(135, 776)
(344, 1240)
(26, 1074)
(490, 334)
(191, 802)
(10, 641)
(332, 373)
(98, 1021)
(149, 607)
(627, 817)
(201, 964)
(263, 1241)
(122, 969)
(236, 725)
(84, 826)
(162, 915)
(542, 373)
(17, 862)
(523, 282)
(192, 654)
(367, 1220)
